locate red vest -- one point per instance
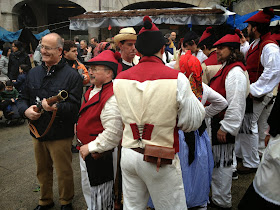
(217, 83)
(89, 123)
(253, 64)
(212, 59)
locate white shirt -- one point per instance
(236, 89)
(191, 112)
(112, 123)
(200, 56)
(218, 102)
(270, 60)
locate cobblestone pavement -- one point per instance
(18, 173)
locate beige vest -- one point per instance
(150, 102)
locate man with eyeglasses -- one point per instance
(52, 141)
(99, 130)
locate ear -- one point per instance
(254, 29)
(120, 45)
(162, 49)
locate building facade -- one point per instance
(39, 15)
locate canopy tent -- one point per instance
(8, 36)
(275, 21)
(237, 21)
(125, 18)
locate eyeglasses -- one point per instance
(94, 69)
(48, 48)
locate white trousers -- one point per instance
(249, 146)
(86, 188)
(85, 182)
(267, 179)
(140, 180)
(221, 186)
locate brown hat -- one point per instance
(125, 34)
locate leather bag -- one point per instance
(159, 155)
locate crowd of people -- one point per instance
(158, 123)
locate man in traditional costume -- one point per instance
(125, 40)
(231, 82)
(154, 101)
(210, 66)
(264, 192)
(99, 130)
(190, 42)
(263, 66)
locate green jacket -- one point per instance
(6, 95)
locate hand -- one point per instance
(266, 140)
(89, 49)
(242, 39)
(251, 96)
(84, 151)
(75, 128)
(177, 66)
(31, 114)
(13, 100)
(221, 136)
(46, 106)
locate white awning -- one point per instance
(194, 16)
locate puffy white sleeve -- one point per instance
(270, 60)
(113, 128)
(236, 87)
(190, 111)
(218, 102)
(244, 48)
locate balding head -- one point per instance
(173, 36)
(51, 49)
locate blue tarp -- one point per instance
(8, 36)
(40, 35)
(237, 21)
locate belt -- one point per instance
(138, 149)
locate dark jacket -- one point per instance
(20, 82)
(43, 84)
(15, 59)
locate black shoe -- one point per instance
(213, 205)
(67, 207)
(45, 207)
(234, 175)
(245, 170)
(74, 149)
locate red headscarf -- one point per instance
(191, 67)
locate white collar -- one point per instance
(127, 63)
